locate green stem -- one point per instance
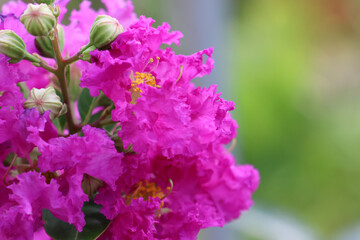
(77, 56)
(8, 169)
(61, 75)
(106, 122)
(31, 58)
(76, 235)
(47, 67)
(93, 104)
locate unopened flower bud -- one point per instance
(90, 185)
(104, 31)
(38, 20)
(12, 46)
(44, 45)
(44, 100)
(48, 2)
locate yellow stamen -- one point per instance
(140, 78)
(147, 190)
(181, 72)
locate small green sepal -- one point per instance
(44, 45)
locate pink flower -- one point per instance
(173, 120)
(177, 132)
(16, 127)
(165, 175)
(10, 94)
(134, 221)
(94, 155)
(21, 215)
(130, 52)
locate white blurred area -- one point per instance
(265, 224)
(260, 224)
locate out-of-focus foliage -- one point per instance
(298, 97)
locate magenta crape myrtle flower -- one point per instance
(147, 146)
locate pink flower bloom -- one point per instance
(21, 215)
(134, 221)
(175, 176)
(177, 131)
(94, 155)
(208, 190)
(130, 52)
(10, 94)
(15, 128)
(173, 120)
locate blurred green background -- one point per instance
(292, 68)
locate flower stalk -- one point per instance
(61, 75)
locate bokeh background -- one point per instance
(293, 70)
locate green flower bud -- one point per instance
(44, 100)
(12, 46)
(44, 45)
(90, 185)
(38, 20)
(48, 2)
(104, 31)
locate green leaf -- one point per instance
(60, 121)
(67, 72)
(95, 117)
(58, 92)
(110, 127)
(96, 224)
(56, 228)
(84, 103)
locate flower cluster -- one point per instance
(120, 124)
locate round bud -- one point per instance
(38, 20)
(104, 31)
(12, 46)
(45, 99)
(44, 45)
(90, 185)
(48, 2)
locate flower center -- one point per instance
(142, 77)
(146, 190)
